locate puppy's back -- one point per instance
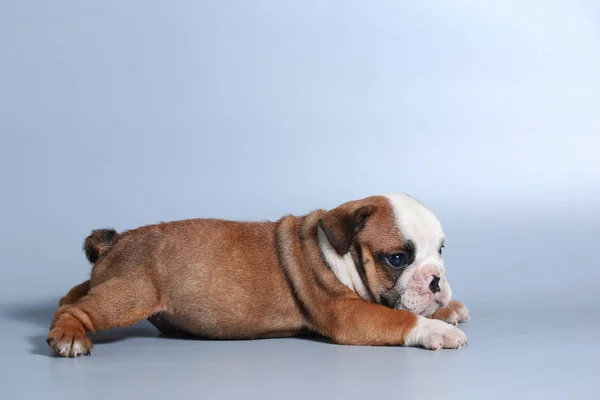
(203, 268)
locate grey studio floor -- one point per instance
(532, 335)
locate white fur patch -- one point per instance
(434, 335)
(76, 348)
(343, 267)
(419, 224)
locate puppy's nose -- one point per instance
(434, 286)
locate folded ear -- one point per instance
(341, 224)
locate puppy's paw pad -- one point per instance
(67, 343)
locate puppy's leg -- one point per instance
(75, 293)
(454, 313)
(356, 322)
(117, 302)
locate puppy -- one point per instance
(368, 272)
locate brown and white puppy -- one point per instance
(369, 272)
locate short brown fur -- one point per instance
(233, 280)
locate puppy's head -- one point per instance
(389, 250)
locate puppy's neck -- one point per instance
(343, 267)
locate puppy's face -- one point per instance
(388, 249)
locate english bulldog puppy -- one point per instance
(368, 272)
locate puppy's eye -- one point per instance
(396, 260)
(440, 250)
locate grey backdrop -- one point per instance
(127, 113)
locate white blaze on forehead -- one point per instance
(417, 223)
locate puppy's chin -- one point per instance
(424, 310)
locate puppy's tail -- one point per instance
(98, 243)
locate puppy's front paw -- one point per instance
(461, 310)
(69, 343)
(434, 335)
(454, 313)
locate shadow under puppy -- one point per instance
(368, 272)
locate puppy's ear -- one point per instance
(341, 224)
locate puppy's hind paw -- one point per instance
(67, 343)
